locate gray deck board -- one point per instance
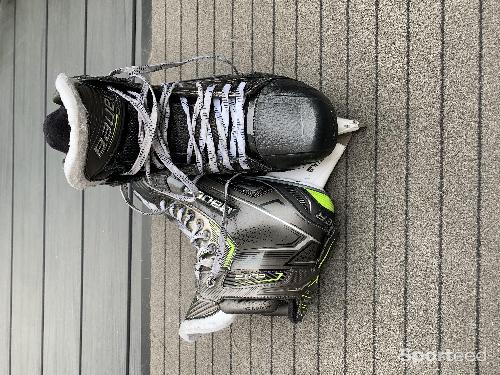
(29, 183)
(157, 319)
(105, 269)
(65, 53)
(460, 182)
(415, 194)
(7, 10)
(42, 223)
(389, 201)
(360, 187)
(140, 257)
(423, 179)
(488, 334)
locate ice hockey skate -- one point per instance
(115, 130)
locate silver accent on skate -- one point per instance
(347, 126)
(153, 127)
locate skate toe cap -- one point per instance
(291, 124)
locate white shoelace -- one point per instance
(204, 252)
(217, 253)
(153, 127)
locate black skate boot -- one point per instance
(260, 246)
(115, 131)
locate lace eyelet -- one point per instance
(200, 224)
(210, 282)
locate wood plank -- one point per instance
(459, 182)
(242, 35)
(158, 30)
(172, 310)
(140, 279)
(172, 37)
(205, 36)
(390, 202)
(190, 37)
(106, 219)
(28, 233)
(224, 13)
(360, 187)
(7, 12)
(423, 204)
(488, 260)
(332, 304)
(140, 291)
(157, 314)
(63, 249)
(157, 317)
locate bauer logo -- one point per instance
(212, 202)
(108, 128)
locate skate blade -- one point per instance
(314, 175)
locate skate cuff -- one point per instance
(191, 329)
(74, 163)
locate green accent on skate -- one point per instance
(259, 278)
(312, 282)
(230, 254)
(323, 199)
(327, 253)
(279, 276)
(230, 245)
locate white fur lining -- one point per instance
(192, 329)
(74, 164)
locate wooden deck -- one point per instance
(416, 193)
(73, 283)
